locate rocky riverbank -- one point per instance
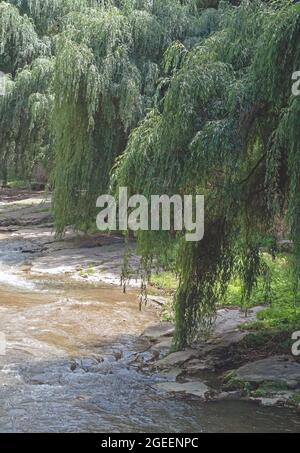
(234, 364)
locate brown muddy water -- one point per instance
(67, 365)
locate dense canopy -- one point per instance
(163, 96)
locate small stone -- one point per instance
(118, 355)
(73, 366)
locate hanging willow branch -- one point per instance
(201, 139)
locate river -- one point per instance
(68, 364)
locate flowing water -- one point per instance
(67, 365)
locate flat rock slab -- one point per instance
(276, 368)
(176, 359)
(224, 341)
(157, 331)
(194, 388)
(230, 319)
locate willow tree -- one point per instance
(106, 74)
(227, 127)
(25, 112)
(28, 30)
(26, 105)
(19, 42)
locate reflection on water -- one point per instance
(67, 368)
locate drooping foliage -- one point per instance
(174, 96)
(19, 42)
(227, 127)
(107, 70)
(28, 101)
(25, 111)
